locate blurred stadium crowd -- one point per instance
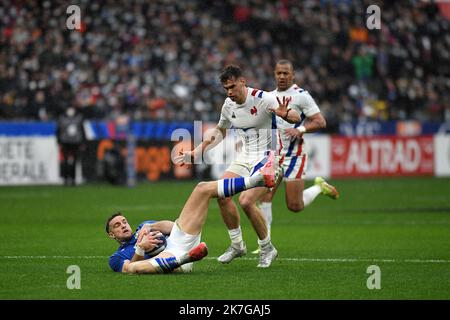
(161, 59)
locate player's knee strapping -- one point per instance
(231, 186)
(165, 265)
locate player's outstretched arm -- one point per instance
(313, 123)
(210, 141)
(164, 226)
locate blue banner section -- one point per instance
(158, 130)
(15, 129)
(96, 130)
(397, 128)
(369, 128)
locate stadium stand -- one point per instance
(160, 60)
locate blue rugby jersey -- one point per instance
(126, 250)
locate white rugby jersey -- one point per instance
(253, 122)
(305, 105)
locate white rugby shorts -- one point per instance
(294, 167)
(246, 168)
(180, 243)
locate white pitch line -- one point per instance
(53, 257)
(352, 260)
(281, 259)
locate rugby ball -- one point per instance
(158, 249)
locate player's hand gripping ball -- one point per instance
(155, 241)
(159, 247)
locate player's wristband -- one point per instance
(139, 251)
(302, 129)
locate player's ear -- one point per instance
(112, 236)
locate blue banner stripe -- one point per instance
(15, 129)
(142, 130)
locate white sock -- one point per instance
(156, 265)
(310, 194)
(256, 180)
(236, 236)
(266, 208)
(264, 242)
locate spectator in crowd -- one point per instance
(158, 60)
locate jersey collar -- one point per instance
(291, 87)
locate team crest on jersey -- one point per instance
(254, 111)
(233, 116)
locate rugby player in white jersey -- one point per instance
(252, 113)
(291, 148)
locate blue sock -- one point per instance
(231, 186)
(167, 264)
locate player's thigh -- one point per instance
(294, 193)
(229, 174)
(238, 169)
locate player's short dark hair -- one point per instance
(116, 214)
(285, 61)
(230, 71)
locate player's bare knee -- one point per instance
(203, 187)
(246, 203)
(295, 206)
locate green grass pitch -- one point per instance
(400, 225)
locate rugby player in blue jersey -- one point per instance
(148, 251)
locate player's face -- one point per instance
(235, 89)
(120, 229)
(284, 76)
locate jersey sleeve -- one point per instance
(139, 227)
(116, 263)
(224, 121)
(270, 101)
(307, 104)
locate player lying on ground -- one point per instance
(183, 243)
